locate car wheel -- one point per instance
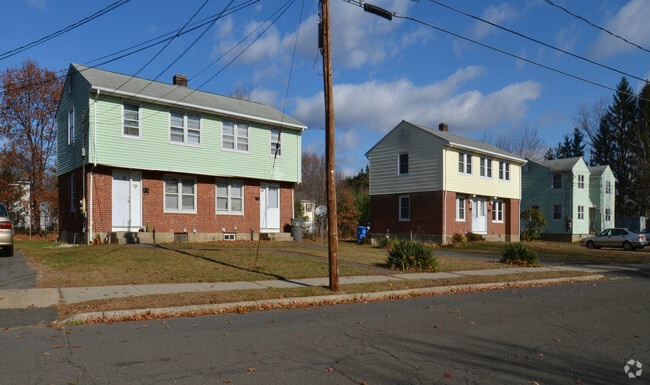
(627, 246)
(591, 245)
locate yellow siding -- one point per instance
(475, 184)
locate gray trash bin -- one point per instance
(296, 229)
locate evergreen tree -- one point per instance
(569, 148)
(577, 143)
(641, 152)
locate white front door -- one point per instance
(269, 208)
(127, 200)
(479, 215)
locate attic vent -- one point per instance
(180, 80)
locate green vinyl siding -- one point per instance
(154, 151)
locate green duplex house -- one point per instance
(576, 200)
(148, 161)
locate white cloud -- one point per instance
(379, 106)
(631, 22)
(497, 14)
(38, 4)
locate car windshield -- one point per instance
(3, 211)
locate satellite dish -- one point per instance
(320, 211)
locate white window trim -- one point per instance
(185, 129)
(458, 218)
(279, 147)
(235, 137)
(467, 163)
(498, 207)
(504, 171)
(608, 187)
(402, 219)
(71, 126)
(608, 215)
(485, 165)
(229, 183)
(581, 182)
(180, 210)
(139, 136)
(581, 212)
(399, 163)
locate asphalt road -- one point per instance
(566, 334)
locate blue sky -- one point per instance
(384, 71)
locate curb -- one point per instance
(246, 306)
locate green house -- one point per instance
(149, 161)
(576, 200)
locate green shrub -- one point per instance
(519, 254)
(458, 239)
(385, 243)
(533, 221)
(410, 255)
(471, 237)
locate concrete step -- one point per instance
(125, 237)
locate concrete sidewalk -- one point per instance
(40, 298)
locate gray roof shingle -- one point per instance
(561, 165)
(184, 97)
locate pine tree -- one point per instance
(641, 156)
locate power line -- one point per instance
(69, 28)
(595, 25)
(540, 42)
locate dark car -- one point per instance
(616, 237)
(6, 233)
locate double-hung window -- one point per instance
(504, 171)
(276, 144)
(557, 181)
(131, 120)
(486, 168)
(581, 182)
(460, 208)
(581, 213)
(497, 211)
(608, 215)
(184, 128)
(230, 197)
(464, 163)
(403, 163)
(608, 187)
(557, 212)
(404, 208)
(180, 194)
(234, 136)
(71, 126)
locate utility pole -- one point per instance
(332, 232)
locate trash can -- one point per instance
(296, 229)
(361, 233)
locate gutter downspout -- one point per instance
(90, 204)
(444, 203)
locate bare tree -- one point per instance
(313, 186)
(522, 140)
(241, 92)
(589, 116)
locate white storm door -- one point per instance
(479, 216)
(127, 200)
(269, 208)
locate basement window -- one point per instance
(229, 237)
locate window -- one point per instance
(608, 215)
(464, 163)
(73, 194)
(504, 171)
(234, 136)
(276, 145)
(131, 120)
(581, 213)
(557, 181)
(230, 198)
(229, 237)
(184, 128)
(460, 208)
(557, 211)
(497, 211)
(309, 207)
(581, 182)
(403, 164)
(180, 194)
(404, 208)
(71, 126)
(486, 167)
(608, 187)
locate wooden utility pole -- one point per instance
(332, 232)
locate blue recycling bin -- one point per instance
(362, 231)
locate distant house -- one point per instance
(576, 200)
(135, 155)
(431, 184)
(308, 207)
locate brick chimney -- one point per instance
(443, 127)
(180, 80)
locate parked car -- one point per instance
(616, 237)
(6, 233)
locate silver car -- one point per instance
(616, 237)
(6, 233)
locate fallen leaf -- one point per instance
(57, 346)
(556, 339)
(329, 370)
(472, 323)
(449, 375)
(68, 332)
(436, 326)
(540, 355)
(579, 381)
(77, 347)
(227, 381)
(45, 354)
(251, 369)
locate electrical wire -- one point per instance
(596, 26)
(60, 32)
(540, 42)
